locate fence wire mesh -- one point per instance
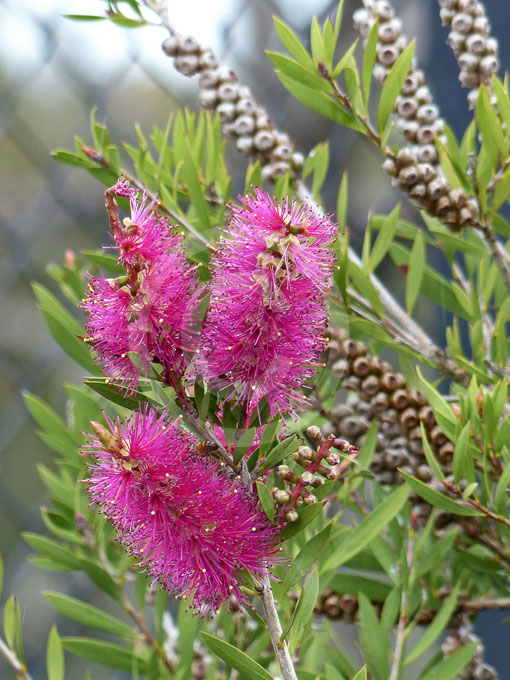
(52, 73)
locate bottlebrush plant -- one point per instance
(256, 452)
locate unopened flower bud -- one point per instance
(281, 496)
(314, 433)
(292, 516)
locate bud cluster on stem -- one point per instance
(320, 464)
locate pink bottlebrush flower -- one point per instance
(290, 231)
(144, 236)
(132, 325)
(148, 315)
(192, 526)
(263, 333)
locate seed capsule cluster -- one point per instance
(319, 464)
(377, 392)
(255, 133)
(477, 669)
(415, 169)
(475, 50)
(338, 607)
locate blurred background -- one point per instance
(52, 73)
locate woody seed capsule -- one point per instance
(187, 64)
(264, 140)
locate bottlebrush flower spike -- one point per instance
(263, 332)
(148, 315)
(192, 527)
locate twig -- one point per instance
(274, 628)
(500, 255)
(13, 660)
(402, 622)
(484, 604)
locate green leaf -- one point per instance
(83, 17)
(9, 620)
(342, 64)
(71, 345)
(435, 287)
(361, 674)
(501, 496)
(292, 44)
(341, 203)
(461, 456)
(393, 85)
(373, 640)
(55, 656)
(451, 666)
(384, 238)
(415, 272)
(281, 451)
(266, 500)
(364, 285)
(306, 558)
(429, 455)
(369, 61)
(320, 102)
(47, 418)
(87, 614)
(353, 584)
(104, 653)
(434, 629)
(437, 499)
(234, 657)
(306, 515)
(244, 442)
(110, 392)
(69, 158)
(303, 611)
(363, 534)
(490, 128)
(294, 70)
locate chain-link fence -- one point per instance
(52, 72)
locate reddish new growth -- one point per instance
(263, 334)
(193, 527)
(147, 315)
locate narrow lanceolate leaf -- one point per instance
(415, 272)
(248, 669)
(361, 674)
(55, 656)
(87, 614)
(308, 556)
(384, 238)
(367, 530)
(304, 609)
(451, 666)
(266, 500)
(438, 499)
(435, 629)
(374, 640)
(104, 653)
(279, 453)
(292, 44)
(393, 85)
(306, 515)
(369, 61)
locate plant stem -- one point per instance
(13, 660)
(274, 628)
(402, 622)
(500, 255)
